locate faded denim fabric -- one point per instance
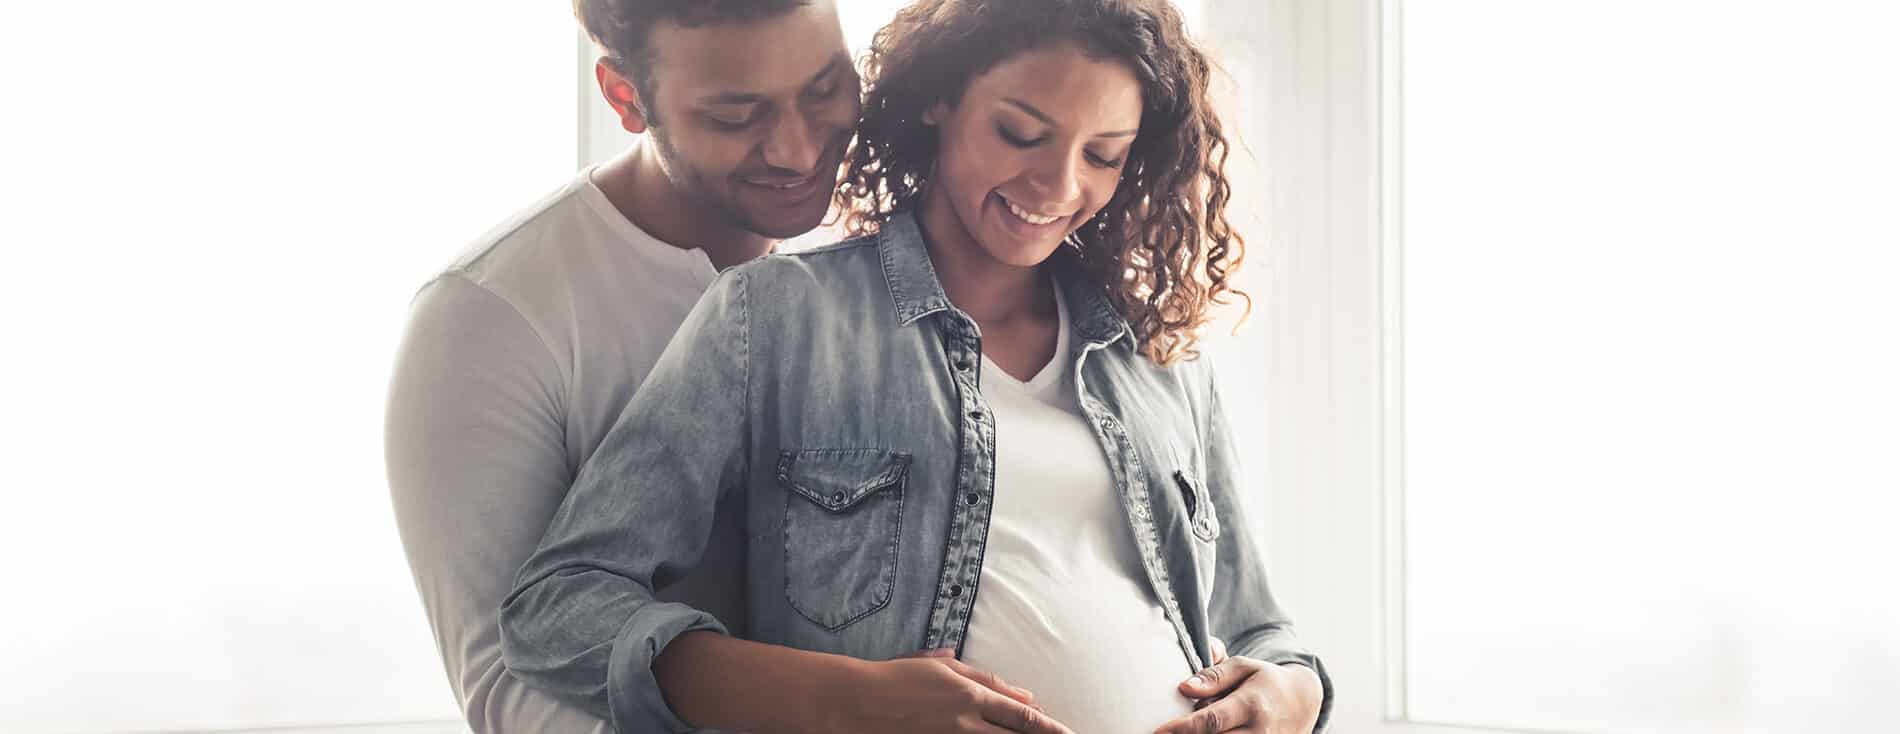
(835, 392)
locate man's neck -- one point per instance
(637, 186)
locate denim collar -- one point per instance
(916, 292)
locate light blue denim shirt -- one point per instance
(835, 392)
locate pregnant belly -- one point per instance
(1100, 657)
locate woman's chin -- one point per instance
(1020, 254)
(1011, 248)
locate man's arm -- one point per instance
(477, 465)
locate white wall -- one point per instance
(216, 215)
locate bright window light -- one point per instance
(218, 212)
(1652, 413)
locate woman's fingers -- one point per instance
(1217, 650)
(1016, 716)
(993, 682)
(1219, 677)
(1237, 712)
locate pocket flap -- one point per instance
(837, 479)
(1200, 507)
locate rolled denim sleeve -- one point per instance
(582, 621)
(1242, 611)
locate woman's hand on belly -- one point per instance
(931, 692)
(1244, 694)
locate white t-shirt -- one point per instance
(1062, 607)
(516, 362)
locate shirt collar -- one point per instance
(916, 292)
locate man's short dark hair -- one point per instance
(623, 28)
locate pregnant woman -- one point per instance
(979, 430)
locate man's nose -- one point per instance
(792, 144)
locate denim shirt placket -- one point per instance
(1131, 477)
(976, 474)
(976, 481)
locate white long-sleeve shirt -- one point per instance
(517, 360)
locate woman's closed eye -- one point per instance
(1024, 141)
(1020, 141)
(1101, 161)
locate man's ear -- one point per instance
(622, 95)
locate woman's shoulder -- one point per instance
(814, 265)
(1191, 378)
(841, 246)
(836, 279)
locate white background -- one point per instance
(216, 213)
(1652, 365)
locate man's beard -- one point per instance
(697, 188)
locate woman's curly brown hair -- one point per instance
(1162, 247)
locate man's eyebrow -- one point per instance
(1031, 110)
(743, 98)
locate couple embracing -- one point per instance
(963, 471)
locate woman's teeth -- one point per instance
(1024, 215)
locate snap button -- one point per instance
(837, 498)
(972, 498)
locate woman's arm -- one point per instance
(732, 684)
(581, 621)
(1242, 610)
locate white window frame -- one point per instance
(1328, 134)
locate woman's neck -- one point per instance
(989, 290)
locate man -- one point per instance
(519, 357)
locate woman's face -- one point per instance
(1034, 149)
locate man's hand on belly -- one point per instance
(1241, 694)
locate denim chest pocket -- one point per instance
(844, 512)
(1200, 507)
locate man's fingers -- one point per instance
(1014, 715)
(1234, 712)
(993, 682)
(1216, 649)
(1219, 677)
